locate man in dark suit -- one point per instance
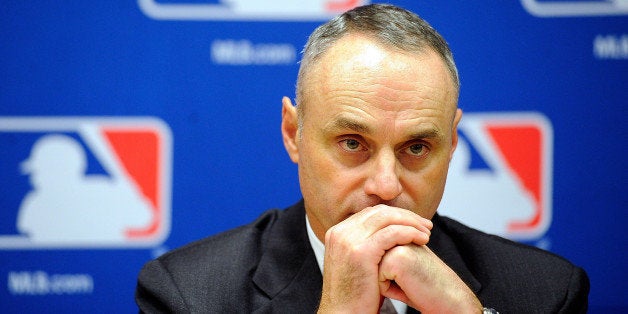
(372, 135)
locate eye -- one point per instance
(352, 145)
(417, 150)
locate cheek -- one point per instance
(314, 172)
(320, 175)
(426, 188)
(321, 191)
(327, 186)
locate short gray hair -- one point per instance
(391, 26)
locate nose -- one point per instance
(383, 180)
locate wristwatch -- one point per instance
(488, 310)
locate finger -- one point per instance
(380, 216)
(427, 282)
(368, 221)
(393, 267)
(391, 290)
(397, 235)
(396, 263)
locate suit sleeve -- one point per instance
(577, 298)
(156, 292)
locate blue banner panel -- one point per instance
(128, 129)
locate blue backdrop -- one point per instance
(198, 84)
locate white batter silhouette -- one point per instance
(67, 206)
(488, 200)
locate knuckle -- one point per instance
(402, 253)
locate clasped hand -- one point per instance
(381, 252)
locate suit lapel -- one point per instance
(287, 273)
(445, 248)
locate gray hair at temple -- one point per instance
(391, 26)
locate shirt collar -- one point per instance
(317, 245)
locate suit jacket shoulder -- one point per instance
(513, 277)
(252, 268)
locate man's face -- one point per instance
(379, 127)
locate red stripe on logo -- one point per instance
(521, 146)
(139, 152)
(341, 6)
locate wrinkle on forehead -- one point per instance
(357, 72)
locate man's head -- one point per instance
(391, 26)
(377, 95)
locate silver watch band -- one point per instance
(488, 310)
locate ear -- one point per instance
(290, 128)
(454, 132)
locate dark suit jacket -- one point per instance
(268, 266)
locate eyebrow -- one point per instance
(426, 134)
(344, 123)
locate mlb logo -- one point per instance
(500, 178)
(74, 182)
(247, 9)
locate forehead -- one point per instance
(357, 73)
